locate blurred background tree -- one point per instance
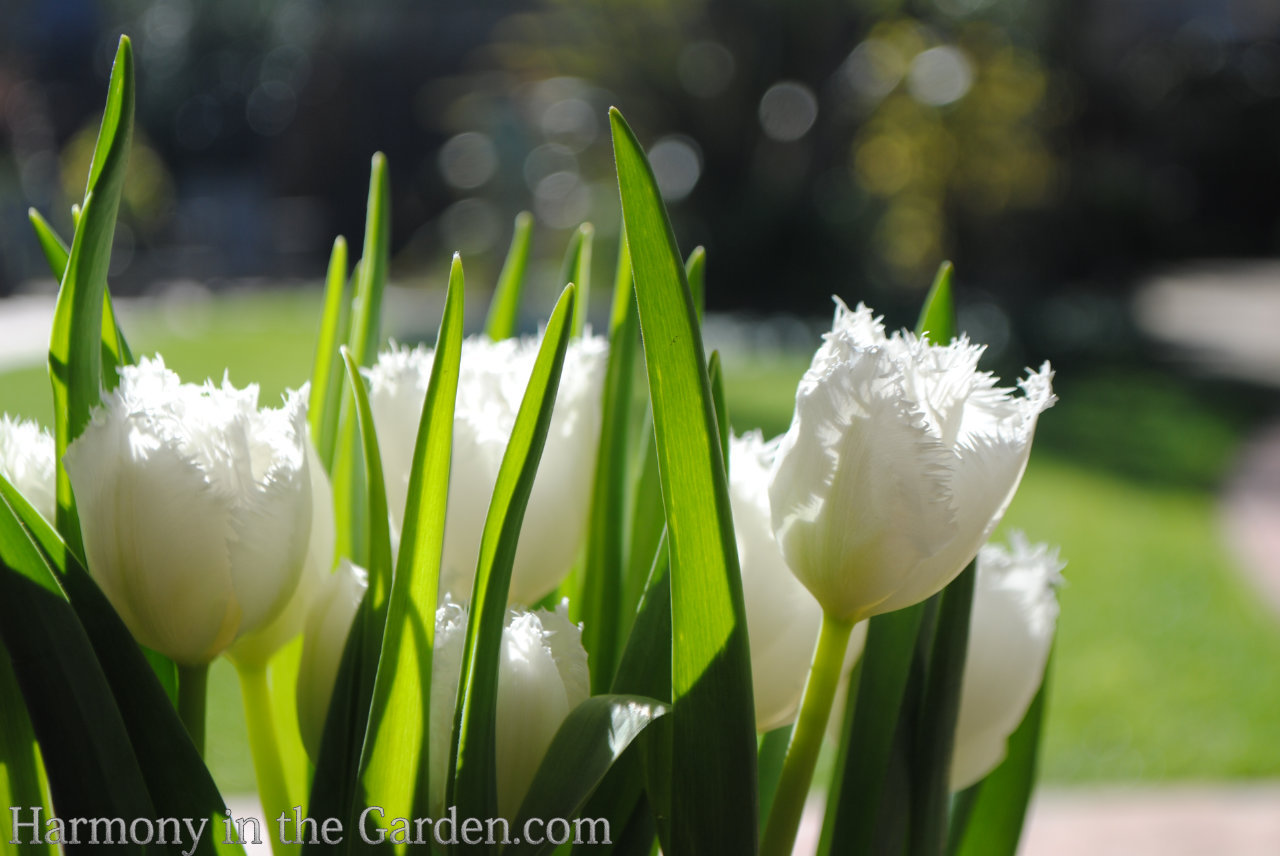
(1055, 149)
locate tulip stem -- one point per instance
(806, 739)
(265, 749)
(193, 691)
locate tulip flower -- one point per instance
(333, 608)
(542, 676)
(27, 462)
(490, 389)
(900, 460)
(195, 508)
(1015, 609)
(782, 616)
(255, 649)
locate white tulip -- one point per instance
(491, 385)
(1011, 629)
(195, 508)
(542, 676)
(783, 618)
(255, 649)
(900, 460)
(333, 608)
(27, 462)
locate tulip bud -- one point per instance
(900, 460)
(1015, 609)
(333, 608)
(783, 619)
(542, 676)
(255, 649)
(27, 461)
(492, 382)
(195, 508)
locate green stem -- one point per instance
(806, 739)
(267, 766)
(193, 691)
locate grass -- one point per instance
(1166, 662)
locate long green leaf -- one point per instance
(644, 669)
(115, 350)
(375, 258)
(326, 373)
(695, 268)
(504, 306)
(349, 490)
(588, 742)
(999, 809)
(576, 269)
(176, 778)
(935, 730)
(91, 766)
(602, 581)
(713, 725)
(857, 803)
(22, 781)
(396, 749)
(937, 316)
(473, 788)
(75, 355)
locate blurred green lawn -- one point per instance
(1166, 660)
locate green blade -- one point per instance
(474, 788)
(715, 374)
(937, 316)
(713, 725)
(999, 804)
(396, 760)
(176, 778)
(695, 268)
(576, 268)
(504, 306)
(22, 780)
(88, 756)
(936, 728)
(872, 721)
(379, 523)
(588, 742)
(602, 581)
(326, 375)
(75, 354)
(115, 350)
(349, 491)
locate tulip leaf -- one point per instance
(997, 806)
(336, 788)
(88, 756)
(504, 306)
(396, 761)
(576, 268)
(75, 355)
(695, 269)
(715, 374)
(326, 374)
(349, 491)
(379, 523)
(375, 257)
(935, 728)
(713, 749)
(937, 316)
(115, 350)
(857, 803)
(22, 782)
(602, 579)
(176, 778)
(473, 788)
(648, 521)
(592, 737)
